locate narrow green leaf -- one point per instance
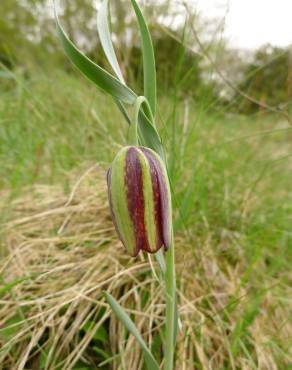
(9, 286)
(123, 316)
(176, 322)
(6, 74)
(109, 360)
(11, 326)
(105, 38)
(240, 332)
(101, 352)
(142, 106)
(92, 71)
(160, 259)
(148, 135)
(148, 59)
(100, 334)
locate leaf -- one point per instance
(92, 71)
(44, 357)
(100, 334)
(109, 360)
(149, 136)
(6, 74)
(105, 38)
(128, 323)
(80, 365)
(101, 352)
(148, 59)
(177, 321)
(160, 259)
(8, 286)
(240, 331)
(11, 326)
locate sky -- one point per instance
(252, 23)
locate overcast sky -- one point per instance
(251, 23)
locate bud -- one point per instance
(140, 200)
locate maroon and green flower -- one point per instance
(140, 200)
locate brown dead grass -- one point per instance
(66, 254)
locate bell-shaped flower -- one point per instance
(140, 200)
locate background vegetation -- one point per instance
(230, 165)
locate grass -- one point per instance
(37, 109)
(232, 179)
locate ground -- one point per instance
(231, 177)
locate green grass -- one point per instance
(51, 124)
(231, 174)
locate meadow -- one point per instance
(231, 176)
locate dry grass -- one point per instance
(61, 255)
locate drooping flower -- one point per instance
(140, 200)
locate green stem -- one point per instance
(137, 106)
(170, 285)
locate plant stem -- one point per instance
(170, 286)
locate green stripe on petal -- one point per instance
(166, 218)
(120, 202)
(149, 211)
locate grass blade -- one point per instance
(9, 286)
(148, 59)
(6, 74)
(123, 316)
(92, 71)
(160, 259)
(105, 38)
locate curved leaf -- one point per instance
(105, 38)
(92, 71)
(148, 59)
(149, 136)
(124, 317)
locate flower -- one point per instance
(140, 200)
